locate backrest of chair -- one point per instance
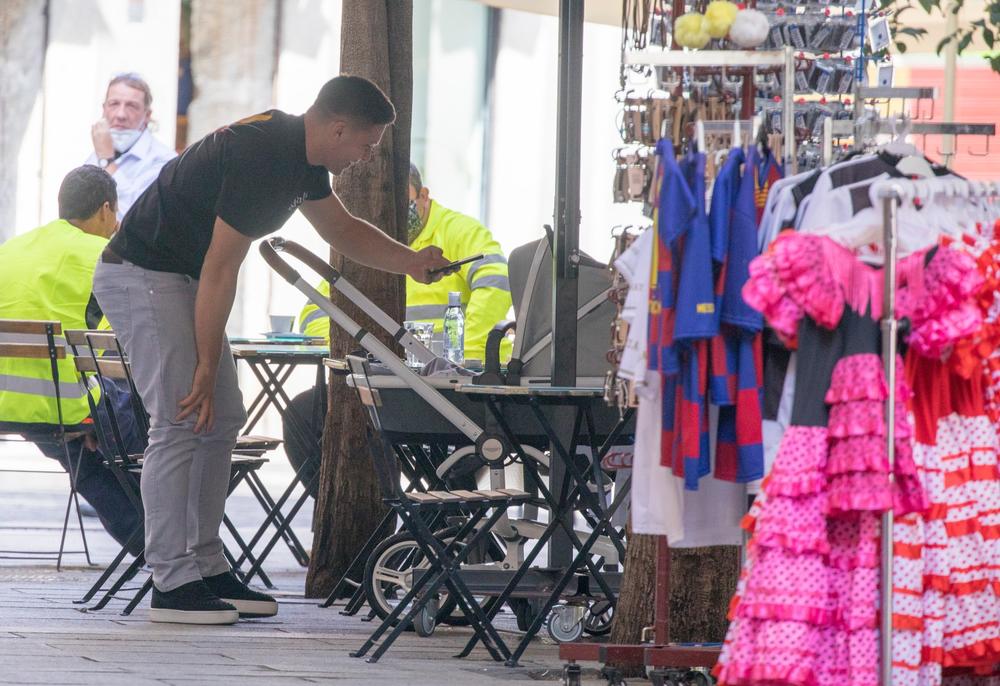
(31, 338)
(110, 363)
(86, 344)
(35, 339)
(97, 339)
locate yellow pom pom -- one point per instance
(719, 17)
(691, 31)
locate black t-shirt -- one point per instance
(253, 174)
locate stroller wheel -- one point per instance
(525, 611)
(389, 575)
(599, 618)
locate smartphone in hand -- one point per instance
(453, 266)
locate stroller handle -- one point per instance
(269, 251)
(270, 248)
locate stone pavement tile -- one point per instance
(76, 679)
(59, 664)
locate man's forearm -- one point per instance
(212, 306)
(366, 244)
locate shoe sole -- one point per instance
(253, 609)
(193, 616)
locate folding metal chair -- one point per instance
(484, 509)
(127, 467)
(41, 340)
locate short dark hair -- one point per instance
(84, 191)
(415, 180)
(133, 80)
(354, 97)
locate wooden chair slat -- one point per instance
(31, 326)
(422, 497)
(446, 496)
(30, 350)
(92, 338)
(111, 367)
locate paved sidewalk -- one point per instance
(46, 638)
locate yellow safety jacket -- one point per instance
(47, 274)
(484, 285)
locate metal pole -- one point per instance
(565, 251)
(950, 73)
(890, 219)
(565, 248)
(790, 161)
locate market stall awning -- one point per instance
(602, 12)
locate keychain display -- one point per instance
(819, 34)
(619, 392)
(633, 174)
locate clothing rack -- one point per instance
(892, 194)
(660, 655)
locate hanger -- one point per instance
(913, 162)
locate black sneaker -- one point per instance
(192, 603)
(249, 602)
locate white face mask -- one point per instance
(123, 139)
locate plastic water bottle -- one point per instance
(454, 329)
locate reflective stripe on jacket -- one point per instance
(484, 284)
(46, 274)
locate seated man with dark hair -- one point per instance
(48, 274)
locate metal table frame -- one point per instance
(272, 364)
(574, 492)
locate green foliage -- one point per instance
(985, 28)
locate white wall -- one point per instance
(522, 170)
(309, 57)
(448, 134)
(89, 42)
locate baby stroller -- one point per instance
(411, 411)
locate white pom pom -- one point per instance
(749, 29)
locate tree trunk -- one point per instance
(22, 54)
(702, 580)
(376, 42)
(634, 610)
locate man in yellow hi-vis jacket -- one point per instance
(48, 273)
(484, 286)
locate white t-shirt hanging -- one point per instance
(636, 265)
(657, 495)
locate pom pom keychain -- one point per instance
(691, 31)
(749, 29)
(720, 15)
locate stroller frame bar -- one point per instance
(269, 251)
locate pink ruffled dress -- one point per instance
(806, 609)
(947, 560)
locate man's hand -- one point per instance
(100, 132)
(201, 399)
(425, 260)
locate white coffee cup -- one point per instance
(282, 323)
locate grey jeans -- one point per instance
(185, 476)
